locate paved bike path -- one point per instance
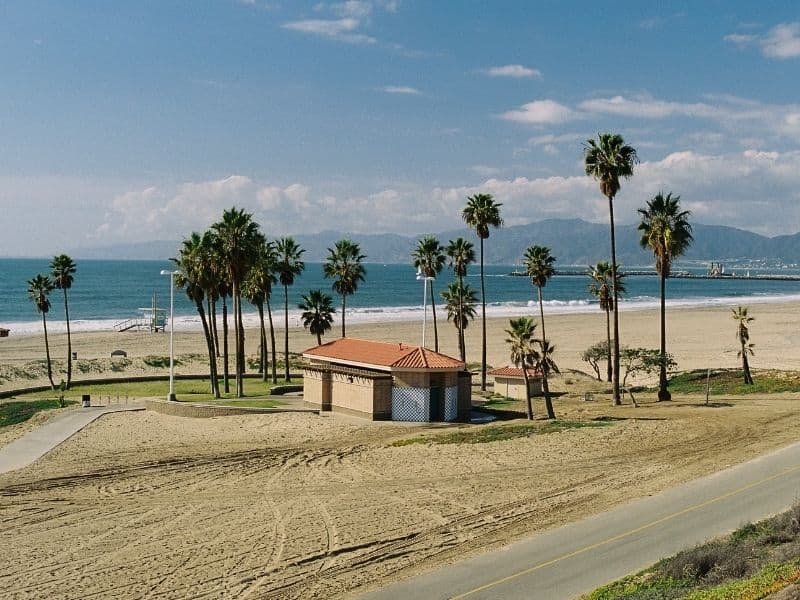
(568, 561)
(38, 442)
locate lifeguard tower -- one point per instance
(151, 318)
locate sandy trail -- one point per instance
(301, 506)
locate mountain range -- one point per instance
(572, 242)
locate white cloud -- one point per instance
(782, 41)
(540, 112)
(400, 89)
(515, 71)
(343, 30)
(551, 139)
(645, 107)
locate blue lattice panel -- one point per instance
(451, 403)
(410, 404)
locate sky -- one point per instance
(140, 121)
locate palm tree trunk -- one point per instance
(617, 400)
(663, 392)
(548, 403)
(748, 379)
(272, 344)
(237, 339)
(319, 339)
(287, 375)
(212, 314)
(541, 312)
(212, 359)
(47, 352)
(240, 356)
(609, 367)
(529, 404)
(344, 305)
(262, 359)
(483, 319)
(225, 373)
(69, 340)
(435, 329)
(461, 319)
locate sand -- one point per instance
(305, 506)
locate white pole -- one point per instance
(424, 307)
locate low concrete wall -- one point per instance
(203, 411)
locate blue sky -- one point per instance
(129, 122)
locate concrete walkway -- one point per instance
(568, 561)
(35, 444)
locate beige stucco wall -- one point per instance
(312, 387)
(413, 379)
(515, 388)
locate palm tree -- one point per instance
(39, 289)
(238, 237)
(318, 313)
(344, 265)
(460, 301)
(743, 335)
(539, 266)
(288, 266)
(481, 213)
(429, 258)
(609, 159)
(461, 254)
(601, 288)
(544, 363)
(193, 263)
(666, 231)
(259, 284)
(521, 343)
(62, 269)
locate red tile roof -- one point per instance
(382, 355)
(514, 372)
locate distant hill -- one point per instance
(572, 241)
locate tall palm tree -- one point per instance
(39, 289)
(601, 288)
(539, 266)
(481, 213)
(193, 263)
(544, 363)
(743, 335)
(461, 254)
(608, 159)
(429, 258)
(221, 290)
(288, 266)
(62, 270)
(666, 231)
(317, 314)
(259, 290)
(344, 265)
(239, 237)
(521, 344)
(460, 301)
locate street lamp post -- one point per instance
(425, 280)
(171, 274)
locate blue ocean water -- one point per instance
(106, 292)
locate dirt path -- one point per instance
(299, 506)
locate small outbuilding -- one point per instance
(510, 382)
(387, 381)
(4, 332)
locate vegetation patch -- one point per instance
(496, 433)
(731, 382)
(14, 412)
(161, 362)
(753, 562)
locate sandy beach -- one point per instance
(305, 506)
(697, 337)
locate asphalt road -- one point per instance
(571, 560)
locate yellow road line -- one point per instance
(624, 535)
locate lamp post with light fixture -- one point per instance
(171, 274)
(424, 280)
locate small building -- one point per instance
(510, 382)
(4, 332)
(387, 381)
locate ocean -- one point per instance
(106, 292)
